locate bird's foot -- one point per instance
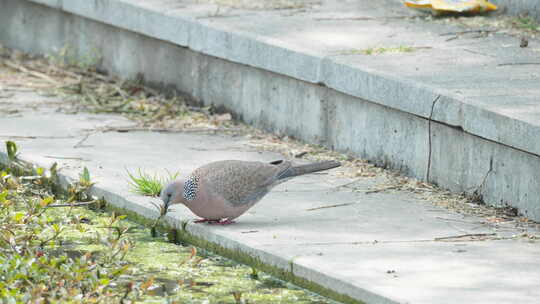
(215, 222)
(209, 221)
(225, 222)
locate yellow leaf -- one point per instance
(18, 217)
(40, 171)
(56, 227)
(3, 196)
(46, 201)
(147, 284)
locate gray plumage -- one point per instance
(226, 189)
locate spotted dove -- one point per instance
(221, 191)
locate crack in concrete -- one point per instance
(483, 183)
(429, 136)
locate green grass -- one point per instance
(527, 23)
(149, 185)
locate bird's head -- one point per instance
(172, 193)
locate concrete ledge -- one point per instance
(389, 109)
(519, 7)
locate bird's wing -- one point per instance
(241, 182)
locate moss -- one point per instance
(178, 273)
(245, 258)
(182, 236)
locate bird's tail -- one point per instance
(310, 168)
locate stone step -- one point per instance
(441, 104)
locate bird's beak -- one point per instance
(166, 203)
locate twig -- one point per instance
(301, 154)
(478, 53)
(518, 63)
(456, 220)
(79, 144)
(361, 18)
(464, 235)
(36, 137)
(222, 16)
(400, 241)
(65, 72)
(121, 92)
(27, 71)
(64, 157)
(164, 130)
(350, 18)
(72, 205)
(250, 231)
(330, 206)
(346, 184)
(468, 31)
(381, 189)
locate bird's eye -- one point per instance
(169, 195)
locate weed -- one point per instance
(11, 149)
(527, 23)
(148, 185)
(79, 190)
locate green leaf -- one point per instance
(84, 177)
(11, 148)
(54, 169)
(18, 217)
(56, 227)
(46, 201)
(40, 171)
(3, 196)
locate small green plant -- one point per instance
(527, 23)
(254, 273)
(15, 165)
(11, 149)
(149, 185)
(84, 178)
(79, 190)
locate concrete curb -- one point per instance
(156, 21)
(344, 104)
